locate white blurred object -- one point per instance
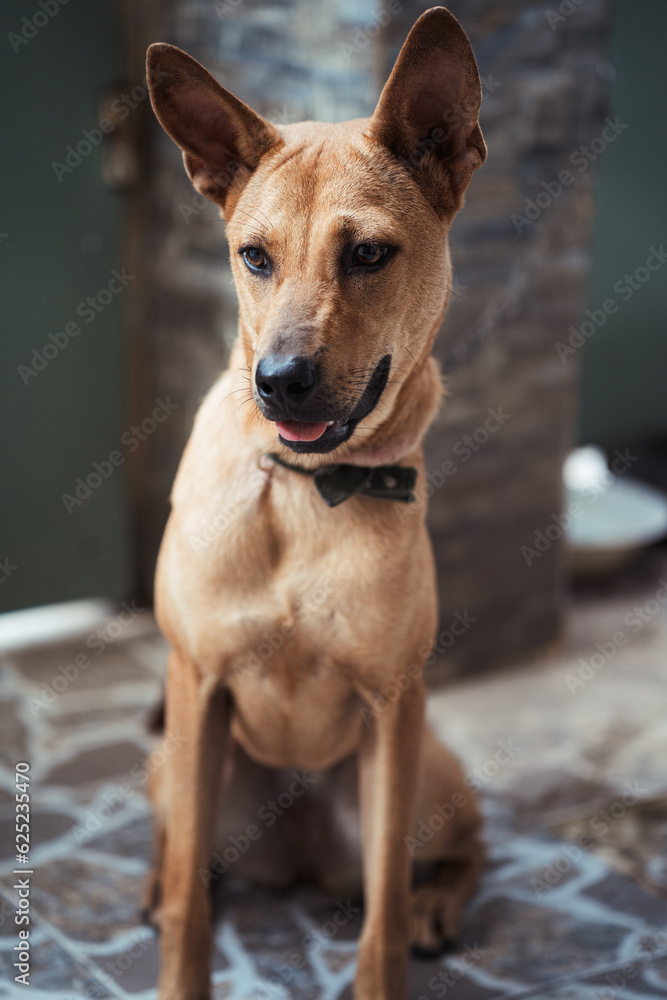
(52, 622)
(584, 467)
(616, 515)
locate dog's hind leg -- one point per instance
(447, 849)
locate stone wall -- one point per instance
(496, 450)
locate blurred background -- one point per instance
(119, 315)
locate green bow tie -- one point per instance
(337, 483)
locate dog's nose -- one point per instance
(285, 382)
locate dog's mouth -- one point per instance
(321, 436)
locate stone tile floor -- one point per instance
(573, 903)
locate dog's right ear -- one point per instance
(222, 139)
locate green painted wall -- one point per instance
(59, 245)
(624, 388)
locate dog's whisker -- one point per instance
(232, 392)
(416, 364)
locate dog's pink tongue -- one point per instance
(296, 430)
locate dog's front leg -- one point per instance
(196, 723)
(388, 766)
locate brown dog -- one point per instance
(338, 238)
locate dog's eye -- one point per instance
(255, 258)
(369, 253)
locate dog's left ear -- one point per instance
(427, 113)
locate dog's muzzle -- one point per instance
(285, 393)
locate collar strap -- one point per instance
(339, 482)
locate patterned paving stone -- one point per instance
(85, 900)
(46, 826)
(552, 921)
(133, 839)
(98, 764)
(625, 982)
(7, 926)
(152, 650)
(286, 935)
(133, 964)
(578, 741)
(6, 800)
(635, 844)
(460, 974)
(655, 975)
(623, 895)
(544, 793)
(337, 962)
(512, 935)
(52, 968)
(80, 666)
(86, 718)
(14, 744)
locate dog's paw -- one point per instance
(435, 920)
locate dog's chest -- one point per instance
(289, 670)
(292, 710)
(296, 607)
(271, 614)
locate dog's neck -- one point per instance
(388, 441)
